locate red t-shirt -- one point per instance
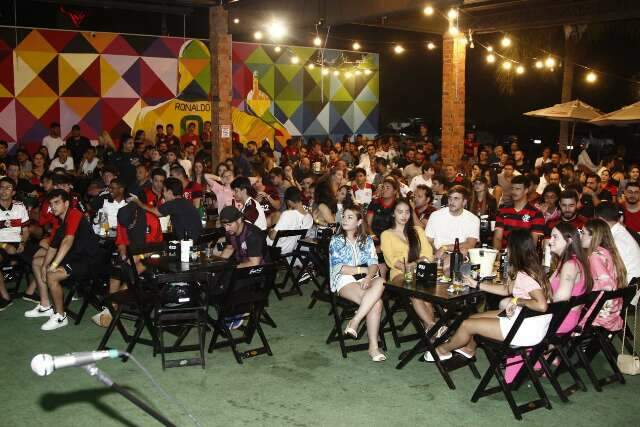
(72, 220)
(528, 218)
(193, 190)
(189, 139)
(632, 220)
(153, 200)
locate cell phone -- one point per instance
(503, 313)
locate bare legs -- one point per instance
(54, 279)
(40, 277)
(370, 308)
(424, 310)
(485, 324)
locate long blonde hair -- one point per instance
(601, 237)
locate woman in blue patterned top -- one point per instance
(353, 269)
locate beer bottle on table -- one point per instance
(455, 260)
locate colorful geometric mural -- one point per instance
(104, 81)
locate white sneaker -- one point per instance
(55, 321)
(39, 311)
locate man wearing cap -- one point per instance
(245, 241)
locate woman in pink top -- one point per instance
(607, 269)
(529, 287)
(222, 189)
(570, 278)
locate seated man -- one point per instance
(246, 242)
(185, 218)
(14, 231)
(74, 251)
(252, 211)
(115, 201)
(295, 217)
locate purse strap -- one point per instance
(635, 329)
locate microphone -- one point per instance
(45, 364)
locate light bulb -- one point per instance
(520, 69)
(317, 41)
(277, 49)
(431, 46)
(236, 20)
(505, 42)
(453, 30)
(491, 58)
(348, 74)
(257, 35)
(539, 64)
(311, 66)
(336, 73)
(398, 49)
(452, 14)
(506, 65)
(356, 46)
(591, 77)
(550, 62)
(325, 71)
(489, 49)
(277, 30)
(428, 10)
(358, 72)
(295, 60)
(367, 72)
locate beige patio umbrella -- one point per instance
(625, 116)
(573, 111)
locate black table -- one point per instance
(453, 308)
(172, 264)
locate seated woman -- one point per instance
(607, 269)
(571, 277)
(403, 246)
(324, 203)
(528, 285)
(349, 250)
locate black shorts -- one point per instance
(4, 255)
(75, 267)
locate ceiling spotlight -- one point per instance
(539, 64)
(277, 30)
(311, 66)
(506, 65)
(491, 58)
(356, 46)
(550, 62)
(367, 72)
(398, 49)
(505, 42)
(431, 46)
(428, 10)
(257, 35)
(317, 41)
(295, 60)
(325, 71)
(519, 69)
(591, 77)
(277, 49)
(336, 73)
(452, 14)
(236, 20)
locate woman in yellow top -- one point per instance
(403, 245)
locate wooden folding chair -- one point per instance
(287, 262)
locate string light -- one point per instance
(236, 20)
(277, 49)
(317, 41)
(348, 74)
(336, 73)
(539, 64)
(453, 30)
(519, 69)
(491, 58)
(295, 60)
(506, 65)
(311, 66)
(431, 46)
(356, 46)
(489, 49)
(257, 35)
(452, 14)
(367, 72)
(277, 30)
(358, 72)
(398, 49)
(550, 63)
(591, 77)
(506, 41)
(325, 71)
(428, 10)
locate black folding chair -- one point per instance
(287, 262)
(14, 269)
(245, 296)
(595, 339)
(497, 353)
(90, 288)
(183, 315)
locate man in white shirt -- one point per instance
(294, 218)
(64, 160)
(453, 222)
(627, 246)
(424, 178)
(53, 140)
(112, 204)
(367, 162)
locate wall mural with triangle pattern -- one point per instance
(108, 82)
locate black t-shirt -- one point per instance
(78, 147)
(382, 216)
(85, 243)
(587, 203)
(184, 217)
(248, 244)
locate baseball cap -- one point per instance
(229, 214)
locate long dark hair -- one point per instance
(601, 237)
(410, 233)
(574, 249)
(323, 193)
(523, 258)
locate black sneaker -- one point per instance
(34, 297)
(5, 303)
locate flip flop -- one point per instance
(429, 357)
(379, 357)
(464, 353)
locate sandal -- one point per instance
(461, 352)
(351, 331)
(378, 356)
(429, 357)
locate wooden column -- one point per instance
(454, 53)
(221, 91)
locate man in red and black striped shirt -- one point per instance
(518, 215)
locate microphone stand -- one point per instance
(93, 371)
